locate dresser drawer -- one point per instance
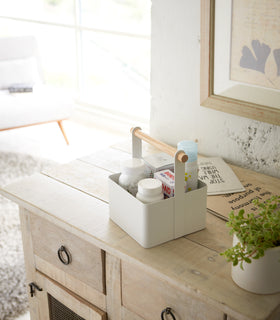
(65, 257)
(148, 296)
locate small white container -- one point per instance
(191, 167)
(132, 171)
(191, 175)
(149, 190)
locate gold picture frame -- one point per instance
(208, 98)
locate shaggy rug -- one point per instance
(13, 294)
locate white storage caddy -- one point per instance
(154, 223)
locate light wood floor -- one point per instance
(47, 141)
(25, 316)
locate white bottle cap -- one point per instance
(133, 166)
(150, 186)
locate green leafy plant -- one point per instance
(256, 231)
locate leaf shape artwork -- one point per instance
(257, 60)
(276, 54)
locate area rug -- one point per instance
(13, 294)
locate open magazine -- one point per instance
(218, 176)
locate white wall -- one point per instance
(176, 113)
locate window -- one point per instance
(98, 49)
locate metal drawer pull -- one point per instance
(168, 312)
(64, 255)
(33, 287)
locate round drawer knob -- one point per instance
(167, 311)
(64, 255)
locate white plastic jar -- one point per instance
(191, 167)
(132, 171)
(149, 190)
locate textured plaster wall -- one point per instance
(176, 113)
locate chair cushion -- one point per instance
(18, 71)
(44, 104)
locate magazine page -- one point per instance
(218, 176)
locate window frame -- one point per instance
(79, 28)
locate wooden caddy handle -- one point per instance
(181, 156)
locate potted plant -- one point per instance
(255, 254)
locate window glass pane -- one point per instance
(56, 50)
(113, 69)
(120, 15)
(116, 72)
(61, 11)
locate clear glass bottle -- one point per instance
(132, 171)
(149, 190)
(191, 167)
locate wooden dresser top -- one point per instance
(75, 197)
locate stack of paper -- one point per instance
(228, 193)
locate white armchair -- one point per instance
(20, 71)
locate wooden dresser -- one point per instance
(80, 265)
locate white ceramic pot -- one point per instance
(260, 276)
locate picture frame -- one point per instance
(260, 110)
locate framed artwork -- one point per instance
(255, 42)
(240, 58)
